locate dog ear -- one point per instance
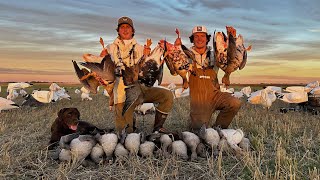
(60, 113)
(76, 109)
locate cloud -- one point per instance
(52, 33)
(314, 30)
(264, 63)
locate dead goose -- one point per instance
(101, 74)
(232, 57)
(146, 72)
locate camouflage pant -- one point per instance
(162, 97)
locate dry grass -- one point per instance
(285, 146)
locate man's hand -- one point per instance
(104, 52)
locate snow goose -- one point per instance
(145, 108)
(263, 97)
(180, 92)
(60, 94)
(23, 92)
(223, 88)
(16, 86)
(54, 87)
(237, 94)
(85, 94)
(294, 97)
(232, 138)
(43, 96)
(246, 91)
(313, 84)
(192, 141)
(210, 137)
(275, 89)
(315, 91)
(13, 94)
(292, 89)
(77, 91)
(6, 104)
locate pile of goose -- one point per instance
(107, 146)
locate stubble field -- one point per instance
(284, 146)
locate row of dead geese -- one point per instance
(185, 145)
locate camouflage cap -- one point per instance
(125, 20)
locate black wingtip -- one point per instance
(165, 45)
(184, 47)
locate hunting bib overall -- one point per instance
(206, 97)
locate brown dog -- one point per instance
(68, 122)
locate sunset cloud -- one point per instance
(42, 37)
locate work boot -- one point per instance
(160, 118)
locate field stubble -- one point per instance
(284, 146)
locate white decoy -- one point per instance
(224, 89)
(192, 141)
(6, 104)
(165, 141)
(179, 148)
(274, 89)
(313, 84)
(108, 142)
(105, 93)
(237, 94)
(13, 94)
(233, 138)
(22, 92)
(264, 97)
(16, 86)
(315, 91)
(292, 89)
(146, 149)
(181, 93)
(210, 136)
(81, 147)
(294, 97)
(171, 86)
(132, 143)
(121, 151)
(65, 155)
(54, 87)
(246, 91)
(77, 91)
(43, 96)
(97, 154)
(255, 97)
(84, 90)
(85, 94)
(143, 108)
(60, 94)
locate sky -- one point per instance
(39, 38)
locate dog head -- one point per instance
(69, 117)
